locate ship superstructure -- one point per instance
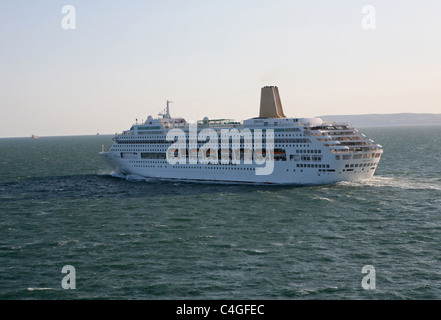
(269, 149)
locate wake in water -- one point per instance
(136, 178)
(393, 182)
(129, 177)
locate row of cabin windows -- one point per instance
(241, 141)
(359, 165)
(308, 165)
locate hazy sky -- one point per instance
(126, 58)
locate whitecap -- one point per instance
(323, 198)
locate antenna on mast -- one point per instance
(167, 111)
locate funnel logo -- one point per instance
(233, 147)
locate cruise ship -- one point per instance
(268, 149)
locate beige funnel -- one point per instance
(270, 104)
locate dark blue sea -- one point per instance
(60, 206)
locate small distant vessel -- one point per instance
(301, 151)
(34, 136)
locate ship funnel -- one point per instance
(270, 104)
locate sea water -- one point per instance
(139, 239)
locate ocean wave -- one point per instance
(331, 289)
(322, 198)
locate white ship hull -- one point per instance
(282, 174)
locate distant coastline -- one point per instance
(359, 120)
(387, 120)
